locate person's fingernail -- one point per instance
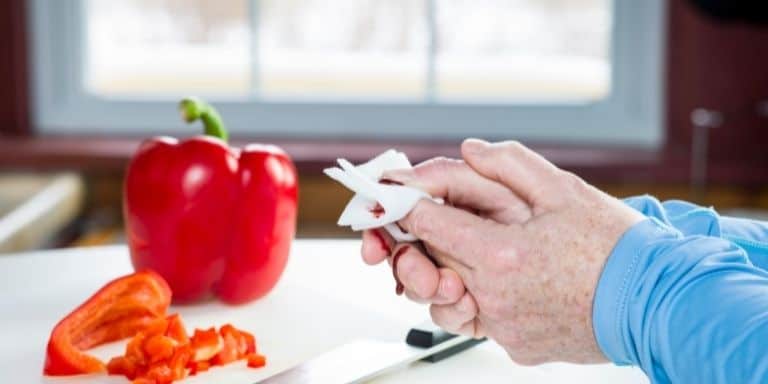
(382, 242)
(399, 288)
(474, 146)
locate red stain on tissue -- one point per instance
(377, 210)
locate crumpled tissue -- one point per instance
(374, 204)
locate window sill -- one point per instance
(109, 154)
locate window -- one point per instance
(572, 70)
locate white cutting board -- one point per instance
(326, 297)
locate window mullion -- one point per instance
(254, 65)
(431, 80)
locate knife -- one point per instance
(362, 360)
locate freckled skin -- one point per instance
(529, 258)
(547, 298)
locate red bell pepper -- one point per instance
(118, 310)
(210, 218)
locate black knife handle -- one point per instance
(427, 335)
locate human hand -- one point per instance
(531, 281)
(415, 272)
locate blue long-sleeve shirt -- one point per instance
(684, 296)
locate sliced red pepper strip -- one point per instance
(119, 310)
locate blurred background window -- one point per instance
(143, 47)
(504, 50)
(381, 60)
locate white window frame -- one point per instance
(631, 115)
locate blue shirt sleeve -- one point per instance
(686, 308)
(692, 219)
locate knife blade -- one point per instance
(362, 360)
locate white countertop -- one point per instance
(326, 297)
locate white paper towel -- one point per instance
(396, 200)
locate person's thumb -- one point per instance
(520, 169)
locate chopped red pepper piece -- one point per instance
(249, 342)
(198, 366)
(163, 355)
(180, 359)
(121, 308)
(161, 373)
(159, 347)
(256, 361)
(237, 345)
(229, 352)
(122, 365)
(206, 344)
(156, 355)
(175, 329)
(134, 350)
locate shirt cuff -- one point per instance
(621, 270)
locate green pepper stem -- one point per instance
(192, 109)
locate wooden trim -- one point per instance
(14, 70)
(92, 153)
